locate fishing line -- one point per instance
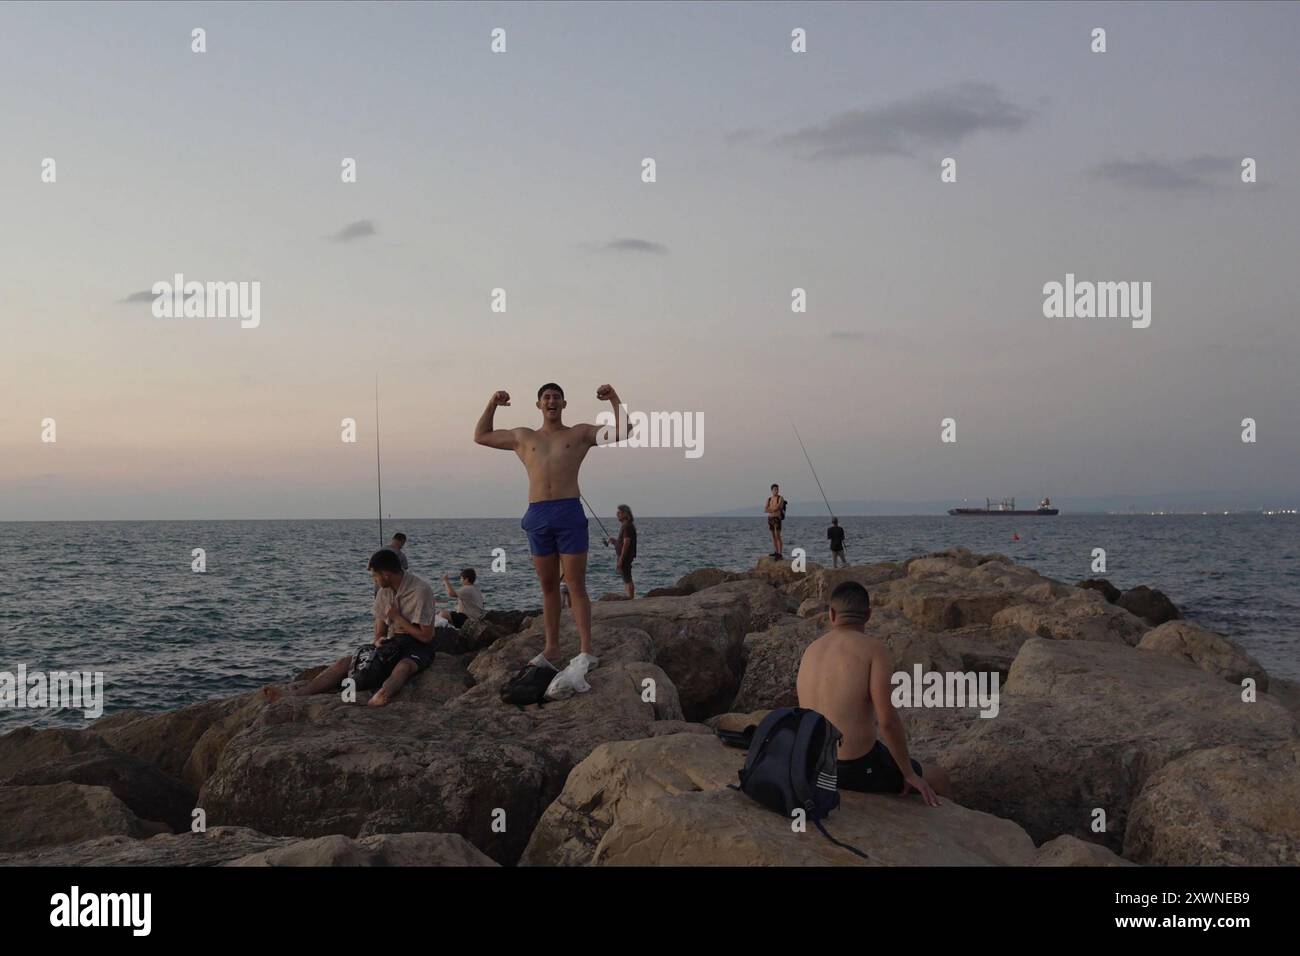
(813, 470)
(605, 539)
(379, 478)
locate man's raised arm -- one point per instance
(485, 434)
(606, 393)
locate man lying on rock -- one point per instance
(403, 612)
(845, 676)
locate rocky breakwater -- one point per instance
(1098, 710)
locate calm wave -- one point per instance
(278, 596)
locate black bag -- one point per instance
(528, 686)
(791, 765)
(371, 664)
(781, 513)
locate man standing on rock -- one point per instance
(555, 522)
(845, 675)
(775, 510)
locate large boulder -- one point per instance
(1237, 805)
(771, 664)
(167, 739)
(381, 849)
(1149, 604)
(1204, 649)
(1083, 725)
(317, 766)
(27, 747)
(1104, 587)
(665, 802)
(1071, 851)
(695, 639)
(148, 792)
(1083, 616)
(702, 578)
(64, 813)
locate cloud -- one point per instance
(739, 136)
(1199, 172)
(939, 118)
(633, 245)
(355, 230)
(145, 297)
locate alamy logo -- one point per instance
(922, 688)
(58, 690)
(208, 300)
(103, 909)
(1098, 300)
(653, 430)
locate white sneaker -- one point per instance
(586, 661)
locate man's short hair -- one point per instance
(385, 559)
(835, 520)
(399, 537)
(851, 600)
(551, 385)
(469, 575)
(774, 487)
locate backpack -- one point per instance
(528, 686)
(371, 664)
(782, 513)
(791, 765)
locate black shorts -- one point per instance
(873, 772)
(774, 524)
(410, 649)
(457, 619)
(627, 572)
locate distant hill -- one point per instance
(1181, 502)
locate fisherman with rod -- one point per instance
(555, 522)
(835, 533)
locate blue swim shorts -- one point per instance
(558, 525)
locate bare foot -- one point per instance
(378, 700)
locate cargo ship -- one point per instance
(1007, 506)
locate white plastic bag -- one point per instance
(572, 680)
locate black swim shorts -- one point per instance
(411, 649)
(627, 572)
(873, 772)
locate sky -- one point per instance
(522, 170)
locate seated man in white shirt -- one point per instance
(469, 598)
(403, 612)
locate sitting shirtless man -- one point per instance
(555, 522)
(845, 676)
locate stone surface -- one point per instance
(1210, 652)
(384, 849)
(665, 802)
(1082, 725)
(64, 813)
(1237, 805)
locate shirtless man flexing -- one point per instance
(555, 522)
(845, 675)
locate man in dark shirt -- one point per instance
(836, 534)
(625, 546)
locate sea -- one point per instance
(274, 597)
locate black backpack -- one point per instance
(791, 764)
(371, 664)
(528, 686)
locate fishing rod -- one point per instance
(605, 539)
(812, 469)
(379, 477)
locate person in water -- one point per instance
(836, 535)
(469, 599)
(775, 510)
(625, 548)
(403, 611)
(555, 523)
(845, 675)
